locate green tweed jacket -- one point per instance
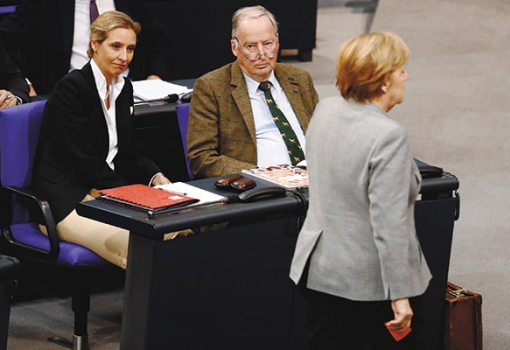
(221, 131)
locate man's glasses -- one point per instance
(254, 52)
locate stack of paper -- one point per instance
(205, 197)
(284, 175)
(155, 89)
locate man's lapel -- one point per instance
(242, 99)
(291, 87)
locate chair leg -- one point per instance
(81, 307)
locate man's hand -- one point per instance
(403, 314)
(7, 99)
(160, 179)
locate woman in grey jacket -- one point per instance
(358, 254)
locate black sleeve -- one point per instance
(10, 77)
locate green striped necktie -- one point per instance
(289, 136)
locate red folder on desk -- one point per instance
(145, 197)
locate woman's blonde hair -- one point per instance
(107, 22)
(365, 63)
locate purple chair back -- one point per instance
(182, 119)
(19, 136)
(17, 126)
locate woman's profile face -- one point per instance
(396, 85)
(114, 55)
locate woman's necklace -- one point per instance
(107, 97)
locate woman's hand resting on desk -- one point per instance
(160, 179)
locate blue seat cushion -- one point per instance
(71, 254)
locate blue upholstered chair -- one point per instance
(182, 111)
(21, 212)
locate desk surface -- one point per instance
(138, 221)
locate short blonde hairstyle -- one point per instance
(107, 22)
(251, 12)
(365, 63)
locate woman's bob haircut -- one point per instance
(365, 63)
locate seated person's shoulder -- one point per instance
(73, 83)
(216, 80)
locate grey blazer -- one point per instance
(359, 233)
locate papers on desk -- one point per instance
(155, 89)
(288, 176)
(156, 200)
(205, 197)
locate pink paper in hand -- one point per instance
(399, 335)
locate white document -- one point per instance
(157, 89)
(205, 197)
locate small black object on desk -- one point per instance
(185, 98)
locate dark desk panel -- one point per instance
(229, 288)
(217, 290)
(157, 131)
(213, 290)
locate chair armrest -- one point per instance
(44, 216)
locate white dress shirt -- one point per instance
(271, 148)
(115, 89)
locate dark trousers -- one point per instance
(336, 323)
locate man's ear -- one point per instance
(233, 46)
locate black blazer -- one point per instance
(73, 145)
(41, 32)
(10, 77)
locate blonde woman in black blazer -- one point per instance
(87, 140)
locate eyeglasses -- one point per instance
(253, 51)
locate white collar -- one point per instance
(100, 80)
(253, 86)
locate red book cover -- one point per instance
(146, 197)
(399, 335)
